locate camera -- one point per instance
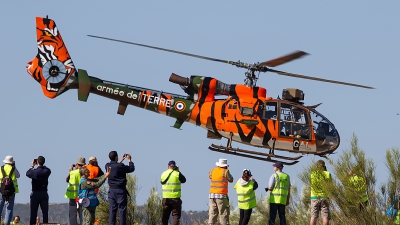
(73, 165)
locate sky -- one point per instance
(355, 42)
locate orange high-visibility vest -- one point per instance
(219, 181)
(94, 171)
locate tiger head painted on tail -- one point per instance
(52, 67)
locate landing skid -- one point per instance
(253, 154)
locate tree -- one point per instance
(152, 210)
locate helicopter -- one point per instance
(244, 115)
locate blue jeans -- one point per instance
(9, 211)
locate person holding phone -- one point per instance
(117, 194)
(245, 187)
(73, 179)
(39, 196)
(171, 181)
(9, 170)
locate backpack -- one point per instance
(7, 188)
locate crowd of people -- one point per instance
(83, 183)
(85, 179)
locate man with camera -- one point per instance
(7, 197)
(73, 179)
(171, 180)
(117, 194)
(39, 197)
(219, 200)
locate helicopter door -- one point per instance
(293, 122)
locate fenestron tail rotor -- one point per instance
(252, 67)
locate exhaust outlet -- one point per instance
(176, 79)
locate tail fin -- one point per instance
(52, 67)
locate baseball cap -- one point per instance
(278, 164)
(171, 163)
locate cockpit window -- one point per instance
(294, 122)
(325, 133)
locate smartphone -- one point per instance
(35, 161)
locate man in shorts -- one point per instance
(320, 178)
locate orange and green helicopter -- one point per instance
(245, 114)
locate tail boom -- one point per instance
(169, 104)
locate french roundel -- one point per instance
(179, 106)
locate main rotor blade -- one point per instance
(165, 49)
(316, 78)
(284, 59)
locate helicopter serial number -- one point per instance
(145, 97)
(300, 144)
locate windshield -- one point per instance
(326, 135)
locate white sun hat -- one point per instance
(9, 159)
(222, 163)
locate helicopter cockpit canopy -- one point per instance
(295, 121)
(325, 133)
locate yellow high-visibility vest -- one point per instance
(246, 195)
(318, 179)
(172, 188)
(280, 192)
(7, 169)
(359, 184)
(72, 189)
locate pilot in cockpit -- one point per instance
(300, 127)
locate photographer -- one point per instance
(117, 194)
(39, 196)
(9, 170)
(171, 180)
(73, 179)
